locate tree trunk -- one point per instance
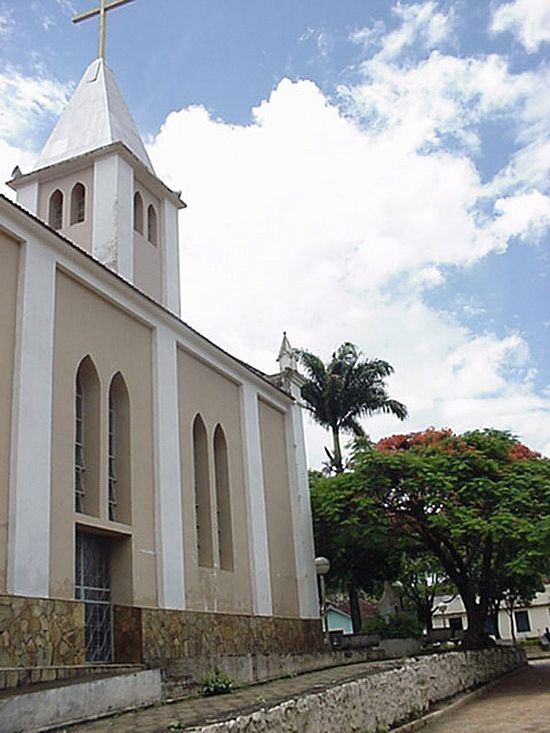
(475, 636)
(355, 609)
(337, 451)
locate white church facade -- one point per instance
(153, 488)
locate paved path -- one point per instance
(518, 704)
(196, 711)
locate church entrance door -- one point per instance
(93, 587)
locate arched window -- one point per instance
(152, 230)
(223, 500)
(138, 212)
(119, 451)
(55, 212)
(203, 516)
(86, 439)
(78, 203)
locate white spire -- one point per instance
(287, 355)
(96, 116)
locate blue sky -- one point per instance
(367, 171)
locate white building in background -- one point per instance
(529, 622)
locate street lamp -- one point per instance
(322, 566)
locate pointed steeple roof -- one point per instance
(96, 116)
(287, 355)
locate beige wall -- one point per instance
(284, 589)
(87, 324)
(205, 391)
(148, 256)
(9, 266)
(80, 233)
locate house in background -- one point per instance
(339, 616)
(529, 621)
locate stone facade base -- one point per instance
(153, 636)
(39, 632)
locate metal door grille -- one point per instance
(93, 587)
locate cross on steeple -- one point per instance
(104, 6)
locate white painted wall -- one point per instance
(113, 235)
(301, 510)
(538, 613)
(27, 196)
(30, 480)
(256, 511)
(169, 529)
(170, 257)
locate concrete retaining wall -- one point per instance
(38, 710)
(381, 700)
(250, 668)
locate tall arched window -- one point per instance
(223, 500)
(203, 515)
(78, 203)
(55, 210)
(152, 229)
(119, 451)
(86, 439)
(138, 212)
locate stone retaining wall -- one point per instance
(152, 636)
(38, 632)
(380, 700)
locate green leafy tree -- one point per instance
(479, 502)
(345, 390)
(354, 534)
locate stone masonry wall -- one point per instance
(37, 632)
(382, 699)
(154, 635)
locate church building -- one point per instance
(153, 488)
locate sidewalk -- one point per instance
(518, 704)
(200, 710)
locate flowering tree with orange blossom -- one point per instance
(479, 502)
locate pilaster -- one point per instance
(256, 510)
(113, 235)
(27, 197)
(30, 482)
(169, 520)
(171, 258)
(302, 526)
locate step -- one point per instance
(46, 705)
(12, 678)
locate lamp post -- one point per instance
(322, 566)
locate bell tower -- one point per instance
(94, 183)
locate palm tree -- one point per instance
(345, 390)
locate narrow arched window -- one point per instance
(118, 469)
(78, 204)
(55, 211)
(203, 516)
(223, 500)
(152, 229)
(138, 212)
(86, 439)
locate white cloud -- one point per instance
(26, 102)
(527, 20)
(420, 24)
(307, 220)
(526, 215)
